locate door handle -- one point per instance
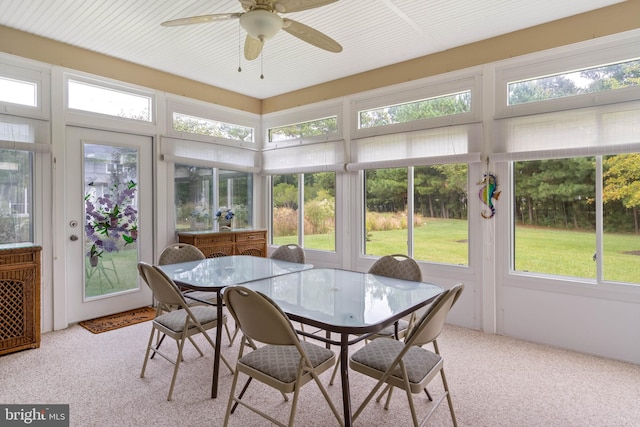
(73, 237)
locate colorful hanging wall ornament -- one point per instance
(488, 193)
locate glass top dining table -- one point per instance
(214, 274)
(352, 304)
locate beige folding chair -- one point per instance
(397, 266)
(406, 365)
(180, 324)
(402, 267)
(180, 252)
(184, 252)
(290, 252)
(283, 362)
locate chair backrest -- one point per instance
(164, 289)
(397, 266)
(290, 252)
(259, 318)
(429, 327)
(180, 252)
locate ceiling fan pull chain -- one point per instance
(262, 64)
(239, 44)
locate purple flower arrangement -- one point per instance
(111, 218)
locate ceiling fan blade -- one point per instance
(288, 6)
(247, 4)
(201, 19)
(252, 48)
(311, 36)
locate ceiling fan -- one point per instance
(261, 21)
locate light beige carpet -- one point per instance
(495, 381)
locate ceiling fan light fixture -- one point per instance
(261, 24)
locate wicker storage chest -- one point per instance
(19, 297)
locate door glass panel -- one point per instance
(111, 220)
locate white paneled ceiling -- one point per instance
(373, 33)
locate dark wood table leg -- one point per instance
(344, 374)
(216, 357)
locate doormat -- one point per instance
(119, 320)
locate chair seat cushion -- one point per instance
(191, 296)
(379, 355)
(175, 320)
(390, 330)
(281, 361)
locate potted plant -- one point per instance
(113, 216)
(133, 231)
(94, 254)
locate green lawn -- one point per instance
(570, 253)
(116, 272)
(539, 250)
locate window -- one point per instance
(103, 100)
(557, 215)
(16, 196)
(325, 126)
(440, 106)
(441, 232)
(317, 216)
(21, 141)
(284, 193)
(320, 211)
(415, 172)
(18, 92)
(621, 218)
(386, 211)
(201, 126)
(588, 80)
(439, 227)
(201, 191)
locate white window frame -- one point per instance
(617, 48)
(29, 72)
(590, 54)
(205, 111)
(106, 121)
(432, 87)
(301, 115)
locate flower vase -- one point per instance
(224, 224)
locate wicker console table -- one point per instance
(224, 243)
(19, 297)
